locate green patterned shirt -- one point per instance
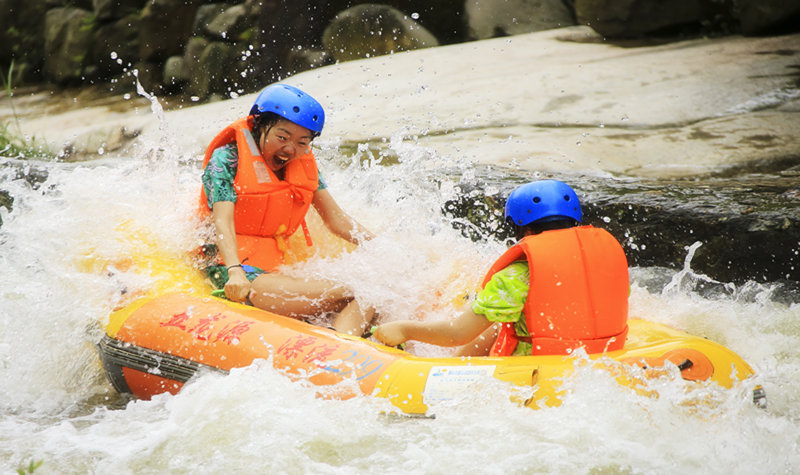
(503, 299)
(220, 173)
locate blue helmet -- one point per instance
(292, 104)
(545, 200)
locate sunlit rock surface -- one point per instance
(549, 101)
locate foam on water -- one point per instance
(63, 268)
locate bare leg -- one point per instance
(481, 345)
(298, 298)
(354, 319)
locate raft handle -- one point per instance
(760, 397)
(687, 363)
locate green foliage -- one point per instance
(247, 35)
(15, 145)
(89, 23)
(32, 466)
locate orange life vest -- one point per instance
(267, 210)
(578, 293)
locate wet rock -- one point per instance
(764, 16)
(205, 14)
(636, 18)
(149, 75)
(165, 27)
(116, 46)
(288, 38)
(372, 30)
(101, 141)
(106, 10)
(22, 36)
(192, 67)
(242, 77)
(489, 19)
(231, 24)
(218, 68)
(68, 37)
(216, 64)
(174, 73)
(305, 59)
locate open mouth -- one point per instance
(279, 162)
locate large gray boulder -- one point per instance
(761, 16)
(106, 10)
(192, 68)
(205, 14)
(174, 73)
(164, 29)
(231, 24)
(149, 75)
(215, 65)
(371, 30)
(636, 18)
(287, 37)
(492, 18)
(68, 38)
(116, 46)
(22, 33)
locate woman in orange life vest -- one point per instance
(561, 287)
(260, 178)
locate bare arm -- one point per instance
(237, 286)
(465, 328)
(222, 214)
(339, 222)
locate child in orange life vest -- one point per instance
(259, 180)
(561, 287)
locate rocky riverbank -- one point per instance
(211, 49)
(670, 143)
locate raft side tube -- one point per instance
(160, 342)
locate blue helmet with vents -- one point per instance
(545, 200)
(291, 104)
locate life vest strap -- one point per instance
(306, 233)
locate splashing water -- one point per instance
(64, 254)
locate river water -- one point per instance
(63, 255)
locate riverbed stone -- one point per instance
(192, 67)
(68, 38)
(371, 30)
(492, 18)
(205, 14)
(116, 46)
(231, 24)
(761, 16)
(106, 10)
(22, 35)
(174, 72)
(149, 75)
(215, 64)
(636, 18)
(165, 27)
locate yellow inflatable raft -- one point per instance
(159, 341)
